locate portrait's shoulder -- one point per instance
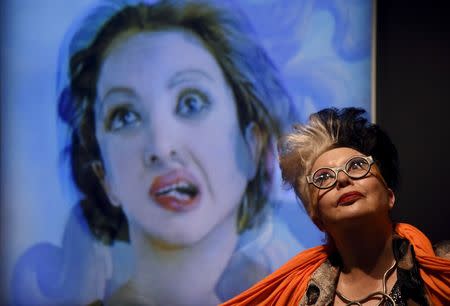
(96, 303)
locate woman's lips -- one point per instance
(349, 198)
(176, 191)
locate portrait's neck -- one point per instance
(182, 274)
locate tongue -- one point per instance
(189, 190)
(178, 199)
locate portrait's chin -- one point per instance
(203, 225)
(178, 238)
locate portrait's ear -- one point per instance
(99, 171)
(391, 196)
(252, 135)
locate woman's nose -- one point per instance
(342, 179)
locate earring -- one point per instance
(97, 167)
(243, 215)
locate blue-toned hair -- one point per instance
(259, 94)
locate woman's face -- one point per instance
(350, 200)
(166, 122)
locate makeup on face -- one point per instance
(176, 191)
(163, 92)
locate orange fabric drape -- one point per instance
(287, 285)
(435, 271)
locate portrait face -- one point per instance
(174, 156)
(350, 200)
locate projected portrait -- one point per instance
(170, 112)
(173, 109)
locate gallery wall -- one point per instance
(413, 102)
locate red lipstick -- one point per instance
(176, 191)
(349, 198)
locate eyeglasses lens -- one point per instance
(356, 167)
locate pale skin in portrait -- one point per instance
(355, 213)
(175, 160)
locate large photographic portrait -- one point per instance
(140, 144)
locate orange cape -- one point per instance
(287, 285)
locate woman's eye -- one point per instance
(121, 118)
(191, 103)
(322, 178)
(357, 164)
(354, 165)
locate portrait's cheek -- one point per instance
(123, 169)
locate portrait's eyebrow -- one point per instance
(188, 75)
(124, 91)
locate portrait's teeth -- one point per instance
(181, 190)
(178, 195)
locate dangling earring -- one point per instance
(97, 168)
(99, 171)
(243, 215)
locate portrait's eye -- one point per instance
(192, 102)
(121, 117)
(323, 177)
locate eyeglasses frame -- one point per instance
(336, 170)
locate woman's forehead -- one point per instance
(335, 157)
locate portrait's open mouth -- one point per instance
(182, 191)
(175, 191)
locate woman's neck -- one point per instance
(366, 253)
(180, 275)
(365, 247)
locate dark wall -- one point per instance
(413, 97)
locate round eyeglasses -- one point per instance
(356, 167)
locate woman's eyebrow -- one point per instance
(188, 75)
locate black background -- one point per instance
(412, 105)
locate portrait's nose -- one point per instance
(161, 146)
(154, 157)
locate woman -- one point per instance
(172, 108)
(345, 171)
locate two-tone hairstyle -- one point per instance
(328, 129)
(225, 32)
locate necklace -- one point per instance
(382, 295)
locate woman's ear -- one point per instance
(314, 213)
(316, 220)
(252, 135)
(99, 171)
(391, 197)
